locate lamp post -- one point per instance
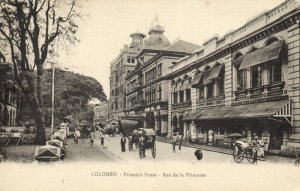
(52, 117)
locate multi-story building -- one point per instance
(120, 67)
(100, 113)
(8, 98)
(247, 82)
(146, 85)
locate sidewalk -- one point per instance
(228, 151)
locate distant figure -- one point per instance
(91, 139)
(75, 138)
(123, 143)
(101, 137)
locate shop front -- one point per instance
(221, 126)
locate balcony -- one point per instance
(137, 105)
(182, 105)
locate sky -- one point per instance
(107, 25)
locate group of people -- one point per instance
(176, 140)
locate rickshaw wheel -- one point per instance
(130, 146)
(153, 149)
(250, 157)
(238, 156)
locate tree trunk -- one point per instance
(38, 118)
(37, 111)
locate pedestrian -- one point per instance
(174, 141)
(123, 143)
(179, 140)
(101, 137)
(255, 146)
(91, 139)
(75, 138)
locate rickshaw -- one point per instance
(243, 150)
(147, 141)
(48, 153)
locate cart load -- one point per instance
(57, 143)
(48, 153)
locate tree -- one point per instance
(28, 31)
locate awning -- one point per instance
(215, 72)
(271, 52)
(196, 80)
(205, 77)
(264, 109)
(236, 62)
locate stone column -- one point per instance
(164, 125)
(169, 88)
(194, 98)
(228, 80)
(249, 135)
(294, 81)
(184, 129)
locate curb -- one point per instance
(205, 149)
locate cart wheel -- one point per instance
(153, 149)
(238, 155)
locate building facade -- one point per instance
(147, 85)
(100, 113)
(8, 98)
(246, 82)
(120, 67)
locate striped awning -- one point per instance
(281, 108)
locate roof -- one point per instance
(263, 109)
(182, 46)
(149, 132)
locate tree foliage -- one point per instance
(72, 93)
(29, 29)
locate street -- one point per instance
(83, 151)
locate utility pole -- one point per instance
(53, 77)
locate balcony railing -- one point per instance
(219, 100)
(267, 90)
(182, 104)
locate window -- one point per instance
(132, 60)
(241, 79)
(159, 70)
(188, 94)
(256, 79)
(274, 71)
(201, 92)
(159, 92)
(128, 60)
(181, 96)
(210, 90)
(175, 98)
